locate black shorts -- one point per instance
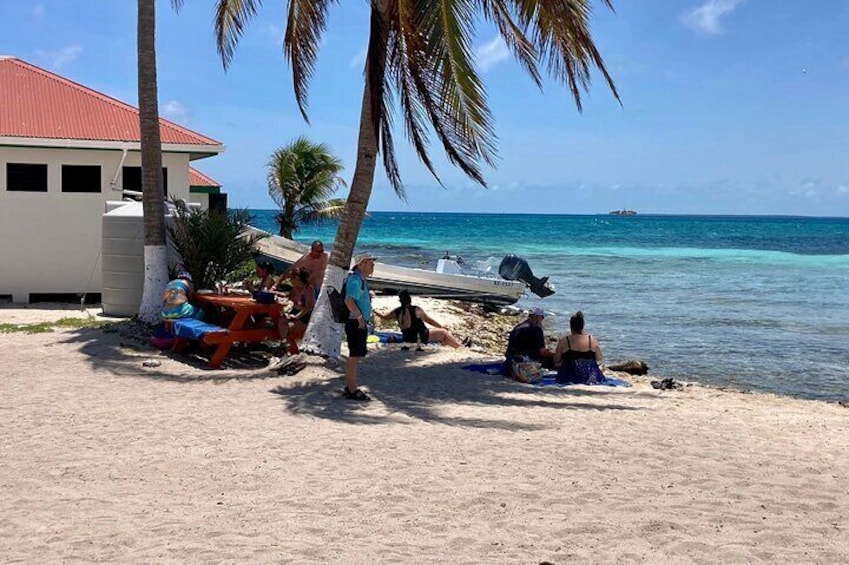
(410, 335)
(357, 338)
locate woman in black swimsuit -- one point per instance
(577, 356)
(411, 320)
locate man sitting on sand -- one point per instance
(314, 263)
(411, 320)
(528, 340)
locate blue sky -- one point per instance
(729, 106)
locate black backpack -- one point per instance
(340, 310)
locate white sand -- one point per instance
(104, 460)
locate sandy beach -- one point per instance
(105, 460)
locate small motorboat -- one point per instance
(451, 279)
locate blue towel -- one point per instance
(496, 368)
(389, 337)
(550, 380)
(487, 368)
(191, 328)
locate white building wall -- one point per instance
(50, 242)
(200, 198)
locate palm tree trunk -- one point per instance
(324, 336)
(153, 199)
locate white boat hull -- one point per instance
(391, 278)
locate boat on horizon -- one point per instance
(622, 212)
(483, 284)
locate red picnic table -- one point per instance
(244, 310)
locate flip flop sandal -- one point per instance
(356, 395)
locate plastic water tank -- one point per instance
(122, 263)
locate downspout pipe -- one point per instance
(114, 182)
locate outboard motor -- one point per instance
(515, 268)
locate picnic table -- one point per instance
(244, 311)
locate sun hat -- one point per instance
(364, 257)
(537, 311)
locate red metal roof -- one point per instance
(197, 178)
(36, 103)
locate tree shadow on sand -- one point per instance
(405, 390)
(406, 386)
(121, 349)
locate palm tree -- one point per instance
(420, 54)
(301, 178)
(153, 198)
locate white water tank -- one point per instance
(122, 264)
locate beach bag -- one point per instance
(526, 371)
(338, 308)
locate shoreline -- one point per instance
(487, 329)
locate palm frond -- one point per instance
(514, 37)
(212, 245)
(306, 22)
(231, 17)
(560, 31)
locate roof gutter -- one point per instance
(196, 151)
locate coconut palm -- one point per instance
(153, 199)
(420, 55)
(301, 178)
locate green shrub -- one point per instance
(213, 246)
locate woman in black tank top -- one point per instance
(578, 366)
(411, 321)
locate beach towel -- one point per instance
(162, 338)
(190, 328)
(549, 379)
(486, 368)
(389, 337)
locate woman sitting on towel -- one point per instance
(176, 297)
(577, 356)
(411, 320)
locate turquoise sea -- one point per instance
(750, 302)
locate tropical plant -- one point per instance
(420, 54)
(153, 200)
(302, 176)
(212, 245)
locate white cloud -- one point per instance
(38, 12)
(707, 17)
(358, 61)
(491, 53)
(62, 57)
(175, 111)
(275, 33)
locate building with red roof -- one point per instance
(65, 150)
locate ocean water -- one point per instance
(755, 303)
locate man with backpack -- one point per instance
(358, 301)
